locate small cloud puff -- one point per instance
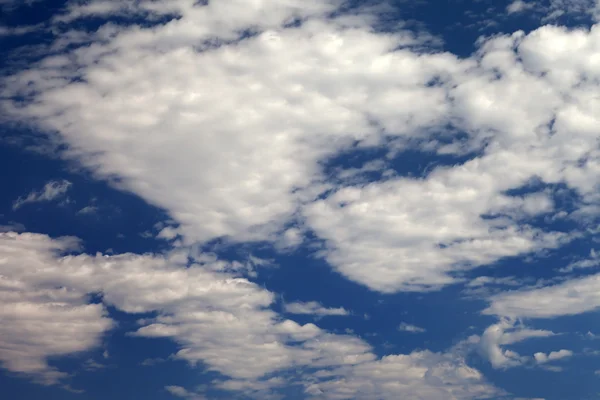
(404, 327)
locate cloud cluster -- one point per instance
(402, 376)
(41, 317)
(506, 332)
(225, 113)
(251, 119)
(216, 318)
(572, 297)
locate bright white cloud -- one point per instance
(572, 297)
(542, 358)
(229, 135)
(251, 128)
(503, 333)
(41, 318)
(313, 308)
(419, 375)
(51, 191)
(216, 318)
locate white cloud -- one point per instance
(572, 297)
(41, 317)
(404, 327)
(408, 234)
(87, 210)
(592, 261)
(220, 182)
(251, 129)
(179, 391)
(250, 122)
(503, 333)
(518, 6)
(542, 358)
(51, 191)
(313, 308)
(216, 318)
(490, 280)
(419, 375)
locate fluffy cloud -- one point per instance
(225, 116)
(51, 191)
(543, 358)
(215, 317)
(419, 375)
(251, 119)
(41, 317)
(572, 297)
(503, 333)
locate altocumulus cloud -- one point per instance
(224, 115)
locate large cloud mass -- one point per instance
(228, 114)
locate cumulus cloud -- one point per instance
(51, 191)
(252, 118)
(313, 308)
(215, 317)
(542, 358)
(572, 297)
(419, 375)
(252, 129)
(503, 333)
(42, 319)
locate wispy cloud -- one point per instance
(405, 327)
(313, 308)
(51, 191)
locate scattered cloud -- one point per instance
(503, 333)
(542, 358)
(404, 327)
(313, 308)
(521, 100)
(519, 6)
(419, 375)
(179, 391)
(88, 210)
(592, 261)
(251, 134)
(215, 317)
(51, 191)
(571, 297)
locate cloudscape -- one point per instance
(300, 199)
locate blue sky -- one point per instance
(299, 199)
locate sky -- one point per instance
(299, 199)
